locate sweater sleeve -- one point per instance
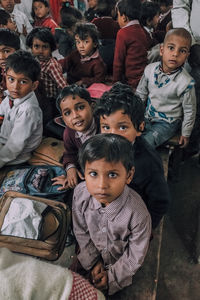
(142, 89)
(70, 155)
(189, 109)
(119, 57)
(98, 71)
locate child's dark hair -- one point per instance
(24, 62)
(121, 97)
(165, 2)
(148, 12)
(43, 34)
(45, 2)
(84, 30)
(73, 90)
(4, 17)
(69, 15)
(9, 38)
(129, 8)
(108, 146)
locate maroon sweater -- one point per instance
(91, 71)
(107, 27)
(130, 55)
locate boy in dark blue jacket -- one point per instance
(121, 112)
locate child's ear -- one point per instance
(125, 18)
(161, 49)
(141, 129)
(35, 85)
(130, 175)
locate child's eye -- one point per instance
(11, 79)
(93, 174)
(183, 51)
(67, 113)
(123, 127)
(23, 82)
(105, 127)
(36, 46)
(170, 47)
(80, 107)
(112, 175)
(6, 51)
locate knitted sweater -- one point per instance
(170, 96)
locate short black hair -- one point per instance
(129, 8)
(9, 38)
(4, 17)
(43, 34)
(24, 62)
(108, 146)
(73, 90)
(121, 96)
(69, 15)
(165, 2)
(45, 2)
(83, 30)
(148, 12)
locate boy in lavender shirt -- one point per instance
(110, 221)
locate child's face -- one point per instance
(77, 113)
(154, 22)
(40, 9)
(119, 123)
(10, 25)
(5, 51)
(121, 19)
(105, 180)
(41, 50)
(8, 5)
(92, 3)
(174, 52)
(85, 47)
(18, 84)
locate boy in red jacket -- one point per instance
(131, 47)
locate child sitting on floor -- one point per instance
(84, 65)
(121, 112)
(42, 44)
(21, 130)
(75, 105)
(131, 47)
(9, 43)
(169, 91)
(40, 13)
(110, 221)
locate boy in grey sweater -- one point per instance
(169, 92)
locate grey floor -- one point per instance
(179, 276)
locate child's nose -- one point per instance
(103, 182)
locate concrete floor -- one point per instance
(179, 275)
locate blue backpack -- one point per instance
(34, 181)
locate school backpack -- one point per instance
(52, 230)
(33, 180)
(49, 152)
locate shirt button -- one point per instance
(104, 229)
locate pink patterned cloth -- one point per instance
(82, 289)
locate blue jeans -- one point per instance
(158, 132)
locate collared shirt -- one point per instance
(21, 131)
(88, 58)
(52, 77)
(118, 233)
(133, 22)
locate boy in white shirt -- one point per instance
(21, 129)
